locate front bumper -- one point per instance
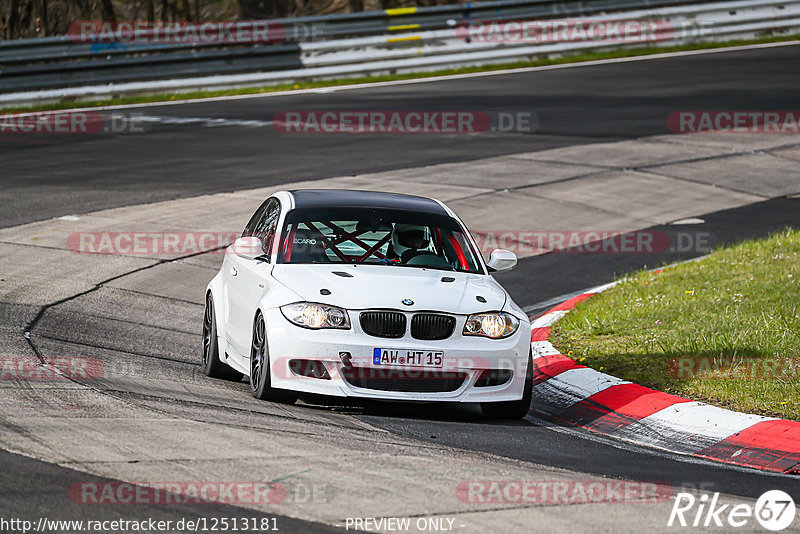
(462, 354)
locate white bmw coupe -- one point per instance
(365, 294)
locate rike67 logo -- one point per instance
(774, 510)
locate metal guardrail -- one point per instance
(401, 40)
(424, 18)
(686, 23)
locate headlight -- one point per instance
(493, 325)
(310, 315)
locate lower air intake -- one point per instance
(406, 380)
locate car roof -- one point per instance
(344, 198)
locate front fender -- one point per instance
(277, 295)
(217, 289)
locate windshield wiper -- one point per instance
(438, 268)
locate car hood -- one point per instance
(384, 286)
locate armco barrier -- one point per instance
(358, 44)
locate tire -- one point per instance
(211, 364)
(259, 367)
(512, 409)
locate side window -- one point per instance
(257, 216)
(267, 224)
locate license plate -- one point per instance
(408, 357)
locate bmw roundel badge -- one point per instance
(408, 302)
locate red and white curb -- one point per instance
(570, 393)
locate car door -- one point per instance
(235, 325)
(249, 278)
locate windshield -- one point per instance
(376, 236)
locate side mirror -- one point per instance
(501, 260)
(248, 247)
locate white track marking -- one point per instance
(206, 122)
(573, 386)
(548, 319)
(543, 348)
(689, 426)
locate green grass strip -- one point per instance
(724, 329)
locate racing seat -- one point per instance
(409, 241)
(309, 247)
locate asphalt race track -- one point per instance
(574, 106)
(212, 151)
